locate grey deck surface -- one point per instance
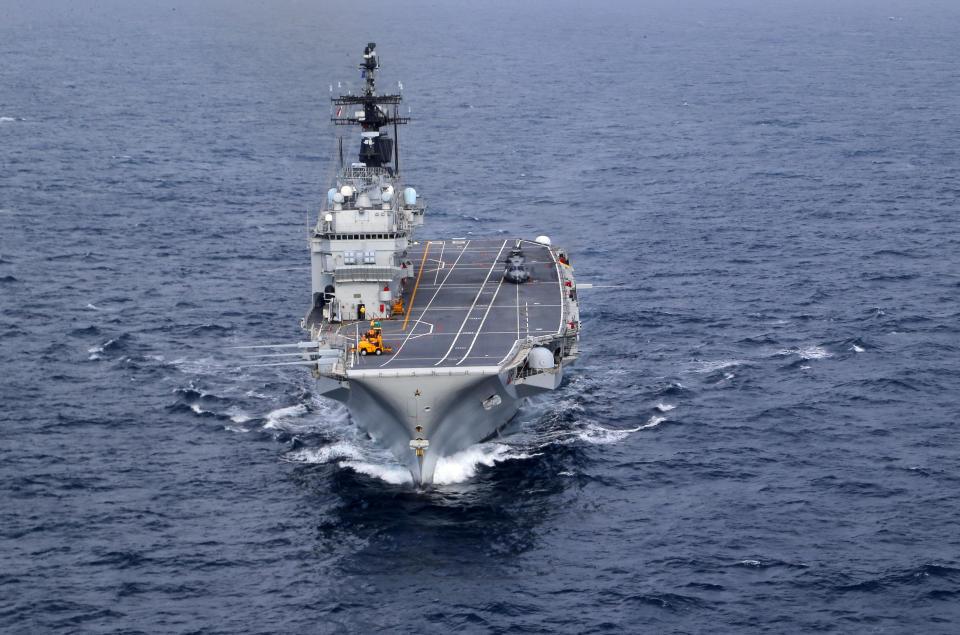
(463, 312)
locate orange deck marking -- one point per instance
(415, 285)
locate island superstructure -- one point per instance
(432, 344)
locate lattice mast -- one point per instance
(379, 111)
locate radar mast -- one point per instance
(375, 112)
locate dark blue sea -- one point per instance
(761, 432)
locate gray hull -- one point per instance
(453, 411)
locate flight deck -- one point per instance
(459, 311)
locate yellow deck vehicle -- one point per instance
(372, 341)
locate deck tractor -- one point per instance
(372, 341)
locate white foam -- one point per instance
(598, 435)
(326, 454)
(237, 415)
(709, 367)
(193, 388)
(463, 465)
(392, 474)
(810, 352)
(653, 422)
(752, 563)
(236, 429)
(814, 352)
(276, 418)
(96, 350)
(7, 119)
(92, 307)
(288, 412)
(858, 349)
(370, 461)
(205, 366)
(665, 407)
(540, 439)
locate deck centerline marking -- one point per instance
(443, 246)
(480, 326)
(518, 311)
(470, 310)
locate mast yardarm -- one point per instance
(377, 149)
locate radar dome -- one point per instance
(540, 358)
(543, 240)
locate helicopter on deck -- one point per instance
(515, 271)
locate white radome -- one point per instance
(540, 358)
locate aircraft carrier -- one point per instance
(432, 344)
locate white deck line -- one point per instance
(502, 306)
(430, 286)
(518, 311)
(465, 267)
(483, 321)
(424, 311)
(386, 336)
(443, 246)
(409, 360)
(467, 316)
(354, 373)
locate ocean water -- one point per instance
(760, 435)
